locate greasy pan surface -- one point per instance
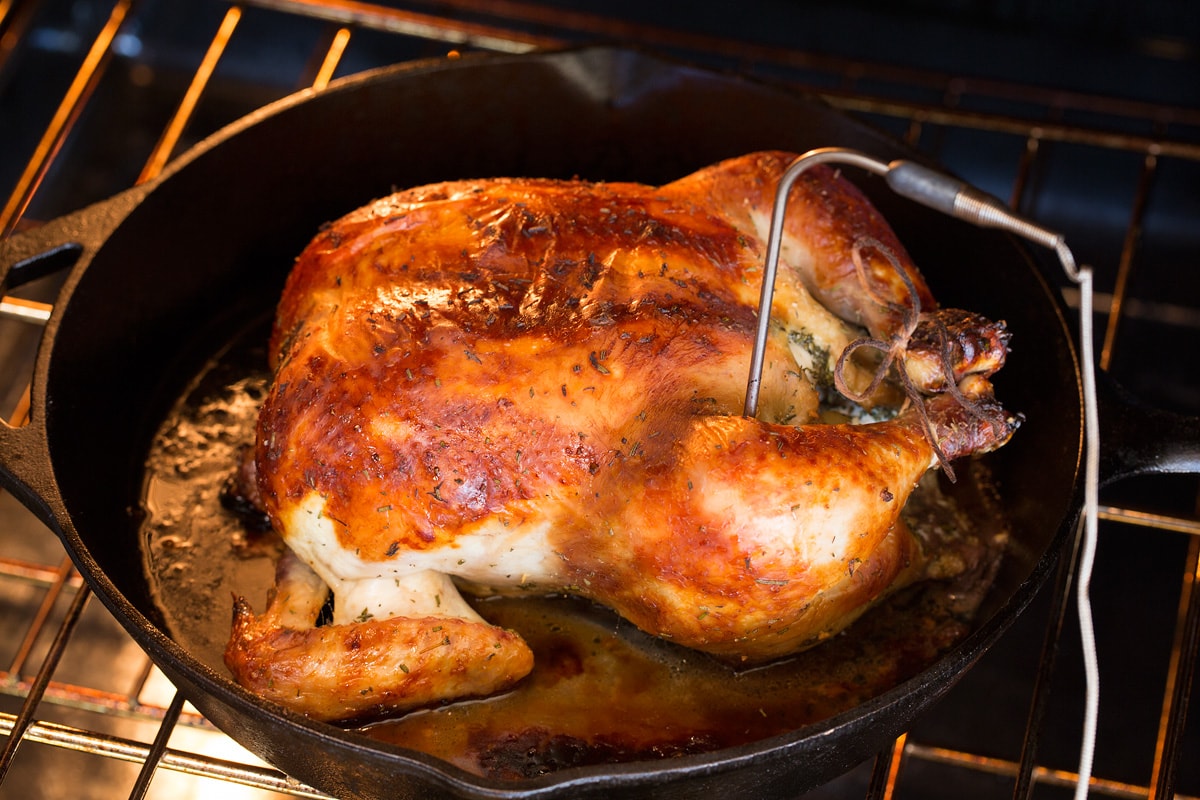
(169, 271)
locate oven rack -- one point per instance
(925, 107)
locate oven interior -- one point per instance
(1085, 117)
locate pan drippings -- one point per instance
(601, 691)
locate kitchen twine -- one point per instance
(956, 198)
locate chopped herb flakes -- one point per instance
(594, 359)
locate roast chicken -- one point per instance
(526, 385)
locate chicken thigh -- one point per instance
(522, 385)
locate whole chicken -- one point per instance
(522, 385)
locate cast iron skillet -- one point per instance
(166, 272)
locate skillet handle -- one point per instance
(68, 242)
(1137, 439)
(65, 241)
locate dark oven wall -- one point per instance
(1082, 115)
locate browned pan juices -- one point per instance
(601, 690)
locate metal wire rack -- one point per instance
(52, 709)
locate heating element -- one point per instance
(97, 96)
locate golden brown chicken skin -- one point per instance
(535, 385)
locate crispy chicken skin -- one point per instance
(537, 385)
(367, 668)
